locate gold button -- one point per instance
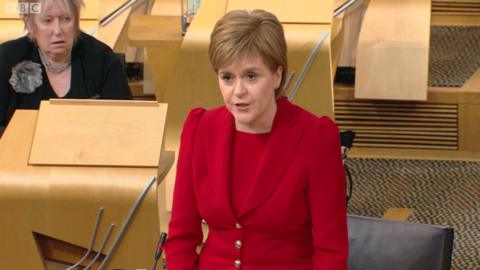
(238, 226)
(237, 263)
(238, 244)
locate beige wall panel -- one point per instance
(393, 49)
(472, 85)
(91, 10)
(290, 11)
(193, 82)
(110, 33)
(11, 29)
(315, 93)
(167, 7)
(352, 22)
(10, 8)
(337, 37)
(161, 59)
(338, 3)
(89, 26)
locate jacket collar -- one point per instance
(279, 152)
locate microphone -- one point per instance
(159, 250)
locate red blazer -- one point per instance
(295, 215)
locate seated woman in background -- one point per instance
(56, 60)
(265, 175)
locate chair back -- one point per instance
(380, 244)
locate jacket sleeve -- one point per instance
(4, 89)
(185, 232)
(327, 198)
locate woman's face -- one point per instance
(248, 89)
(55, 31)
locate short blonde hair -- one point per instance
(249, 33)
(73, 6)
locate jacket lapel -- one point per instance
(279, 152)
(219, 140)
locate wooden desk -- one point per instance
(61, 202)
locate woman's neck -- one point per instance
(57, 64)
(57, 59)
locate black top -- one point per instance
(97, 72)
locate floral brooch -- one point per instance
(26, 77)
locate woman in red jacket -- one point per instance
(264, 174)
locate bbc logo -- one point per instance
(22, 8)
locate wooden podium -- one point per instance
(60, 164)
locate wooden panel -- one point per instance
(395, 132)
(392, 57)
(91, 10)
(446, 131)
(10, 9)
(338, 3)
(166, 162)
(469, 127)
(408, 153)
(473, 84)
(11, 29)
(89, 26)
(56, 250)
(316, 92)
(395, 124)
(400, 125)
(192, 68)
(110, 34)
(152, 30)
(465, 13)
(62, 203)
(167, 7)
(406, 141)
(290, 11)
(81, 132)
(162, 37)
(337, 36)
(456, 7)
(442, 102)
(396, 117)
(405, 146)
(162, 60)
(439, 19)
(438, 95)
(352, 23)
